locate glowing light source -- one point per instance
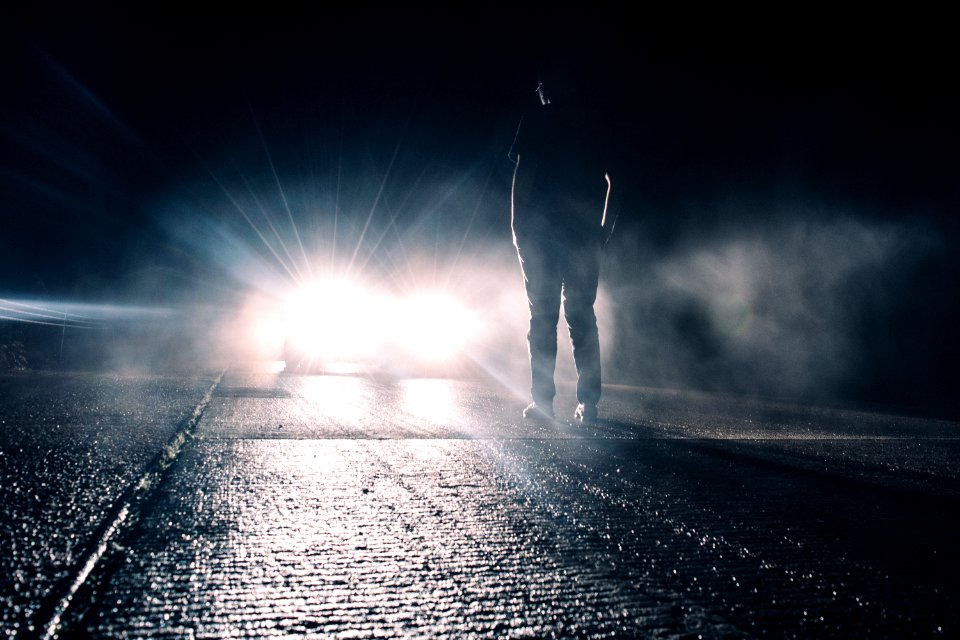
(331, 322)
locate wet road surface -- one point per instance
(346, 507)
(71, 446)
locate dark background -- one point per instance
(789, 178)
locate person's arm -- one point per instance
(513, 153)
(513, 186)
(611, 209)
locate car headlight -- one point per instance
(344, 321)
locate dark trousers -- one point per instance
(555, 270)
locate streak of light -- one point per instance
(288, 268)
(283, 196)
(74, 314)
(269, 218)
(466, 232)
(32, 313)
(376, 202)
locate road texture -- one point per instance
(267, 505)
(73, 446)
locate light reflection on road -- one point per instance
(260, 404)
(334, 506)
(431, 400)
(341, 399)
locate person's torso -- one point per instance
(559, 186)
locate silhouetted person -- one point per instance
(560, 192)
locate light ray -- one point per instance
(42, 322)
(336, 207)
(466, 232)
(35, 314)
(376, 201)
(269, 218)
(99, 107)
(283, 196)
(392, 225)
(296, 276)
(73, 315)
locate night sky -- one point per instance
(790, 179)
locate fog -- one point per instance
(804, 303)
(787, 225)
(794, 300)
(793, 297)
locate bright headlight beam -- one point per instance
(334, 320)
(433, 326)
(338, 321)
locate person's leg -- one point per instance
(541, 277)
(580, 280)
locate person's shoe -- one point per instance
(585, 415)
(538, 413)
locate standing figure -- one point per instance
(560, 192)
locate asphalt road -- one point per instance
(253, 504)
